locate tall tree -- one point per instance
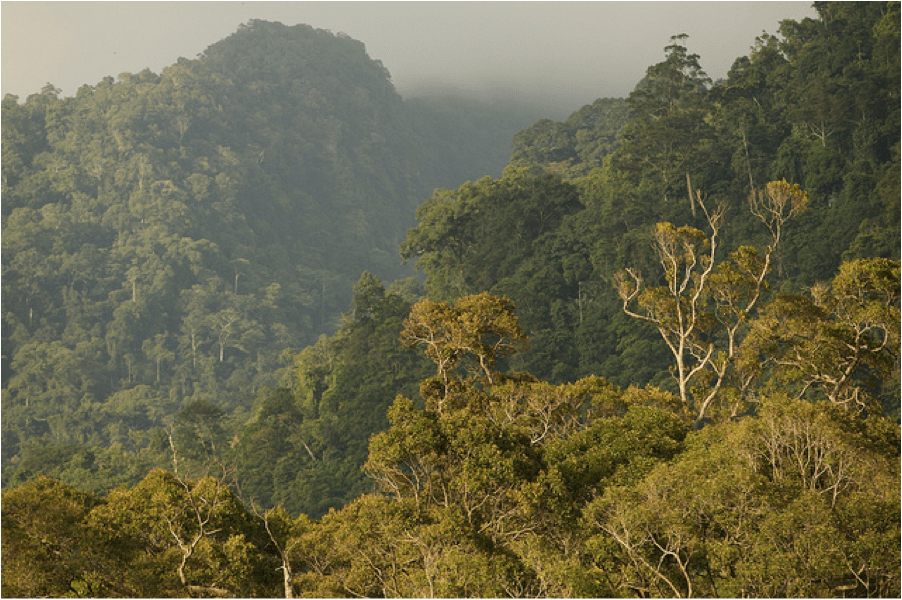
(840, 341)
(667, 137)
(704, 299)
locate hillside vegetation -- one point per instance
(167, 237)
(657, 355)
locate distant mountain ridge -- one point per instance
(171, 234)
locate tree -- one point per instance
(470, 239)
(188, 537)
(152, 212)
(157, 350)
(498, 461)
(478, 329)
(286, 535)
(46, 551)
(667, 135)
(703, 299)
(840, 341)
(198, 439)
(305, 442)
(772, 505)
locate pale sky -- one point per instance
(565, 53)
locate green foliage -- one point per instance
(766, 122)
(499, 465)
(668, 137)
(470, 240)
(198, 437)
(164, 537)
(704, 303)
(575, 146)
(465, 341)
(167, 236)
(43, 541)
(762, 507)
(841, 342)
(304, 447)
(508, 486)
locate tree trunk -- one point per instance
(286, 578)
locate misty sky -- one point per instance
(560, 53)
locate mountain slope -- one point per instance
(166, 237)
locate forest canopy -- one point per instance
(657, 354)
(167, 237)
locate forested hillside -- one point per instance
(167, 237)
(657, 356)
(818, 107)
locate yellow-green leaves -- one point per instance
(778, 202)
(700, 310)
(771, 506)
(840, 342)
(477, 329)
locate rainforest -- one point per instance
(270, 329)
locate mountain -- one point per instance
(167, 236)
(582, 199)
(171, 241)
(657, 356)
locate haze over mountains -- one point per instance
(651, 349)
(557, 55)
(264, 177)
